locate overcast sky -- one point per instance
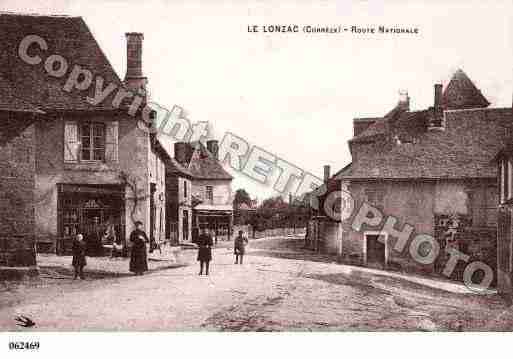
(295, 95)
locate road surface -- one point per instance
(279, 287)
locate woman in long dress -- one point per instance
(138, 256)
(205, 244)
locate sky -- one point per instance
(295, 94)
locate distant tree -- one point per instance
(241, 196)
(274, 203)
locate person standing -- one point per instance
(205, 244)
(79, 256)
(240, 247)
(138, 256)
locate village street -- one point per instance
(279, 287)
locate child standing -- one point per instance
(79, 256)
(240, 247)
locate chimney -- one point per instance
(326, 173)
(438, 96)
(134, 79)
(181, 152)
(404, 100)
(213, 148)
(436, 116)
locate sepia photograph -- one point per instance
(212, 168)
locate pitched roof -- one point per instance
(461, 93)
(66, 36)
(346, 170)
(380, 124)
(400, 145)
(203, 165)
(174, 167)
(10, 102)
(465, 149)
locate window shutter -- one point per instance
(71, 144)
(111, 141)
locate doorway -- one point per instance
(185, 225)
(375, 249)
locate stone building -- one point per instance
(433, 171)
(178, 202)
(17, 178)
(210, 186)
(97, 168)
(505, 213)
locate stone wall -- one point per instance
(17, 170)
(134, 152)
(222, 190)
(422, 204)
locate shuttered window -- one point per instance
(71, 143)
(111, 141)
(506, 180)
(90, 141)
(509, 179)
(502, 182)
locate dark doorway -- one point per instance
(185, 227)
(375, 255)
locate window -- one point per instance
(92, 136)
(210, 193)
(505, 182)
(375, 196)
(509, 178)
(483, 206)
(502, 182)
(185, 189)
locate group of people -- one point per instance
(205, 244)
(138, 257)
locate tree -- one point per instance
(241, 196)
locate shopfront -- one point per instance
(95, 211)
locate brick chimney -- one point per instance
(404, 100)
(134, 79)
(436, 113)
(181, 149)
(213, 148)
(326, 173)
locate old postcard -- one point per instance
(255, 166)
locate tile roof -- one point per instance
(66, 36)
(465, 149)
(401, 146)
(461, 93)
(10, 102)
(174, 167)
(203, 165)
(380, 125)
